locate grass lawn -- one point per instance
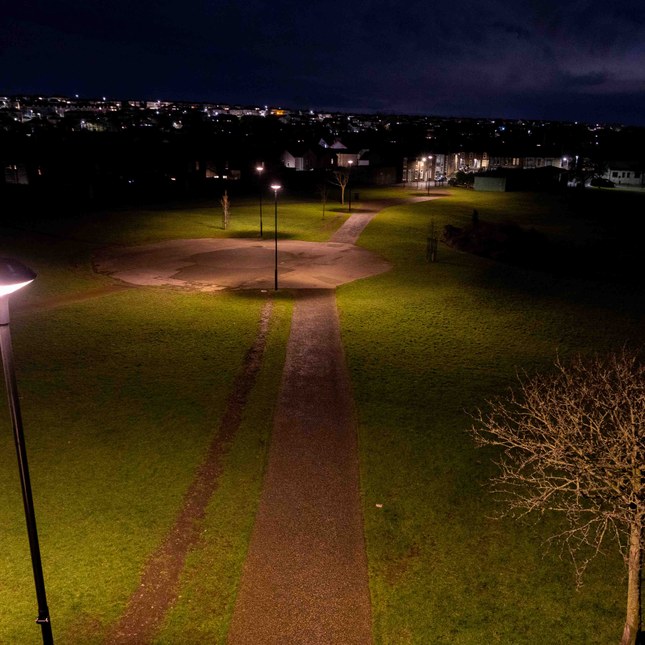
(122, 394)
(425, 343)
(209, 585)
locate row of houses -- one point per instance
(444, 166)
(439, 167)
(369, 165)
(430, 167)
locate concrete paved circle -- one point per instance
(216, 264)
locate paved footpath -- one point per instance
(305, 577)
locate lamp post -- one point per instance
(349, 176)
(428, 173)
(275, 188)
(14, 276)
(259, 170)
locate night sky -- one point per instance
(579, 60)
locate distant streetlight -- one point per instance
(275, 188)
(260, 170)
(428, 173)
(422, 169)
(349, 174)
(14, 276)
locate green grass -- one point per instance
(299, 219)
(205, 606)
(425, 343)
(122, 394)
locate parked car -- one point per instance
(601, 182)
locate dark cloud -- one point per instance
(592, 79)
(584, 58)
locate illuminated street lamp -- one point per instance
(275, 188)
(428, 173)
(14, 276)
(349, 175)
(260, 170)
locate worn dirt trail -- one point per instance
(159, 582)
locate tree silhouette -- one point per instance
(574, 442)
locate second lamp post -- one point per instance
(349, 176)
(259, 170)
(275, 188)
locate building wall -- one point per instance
(16, 173)
(490, 184)
(625, 177)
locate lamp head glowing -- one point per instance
(259, 168)
(13, 276)
(276, 187)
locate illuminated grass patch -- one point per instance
(425, 343)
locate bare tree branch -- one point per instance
(572, 442)
(341, 179)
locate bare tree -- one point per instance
(574, 442)
(226, 210)
(341, 178)
(432, 243)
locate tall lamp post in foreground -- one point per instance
(260, 170)
(275, 188)
(14, 276)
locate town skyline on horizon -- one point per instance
(263, 109)
(581, 62)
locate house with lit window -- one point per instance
(300, 158)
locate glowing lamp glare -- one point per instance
(13, 276)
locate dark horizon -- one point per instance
(581, 62)
(299, 108)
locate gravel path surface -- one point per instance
(305, 577)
